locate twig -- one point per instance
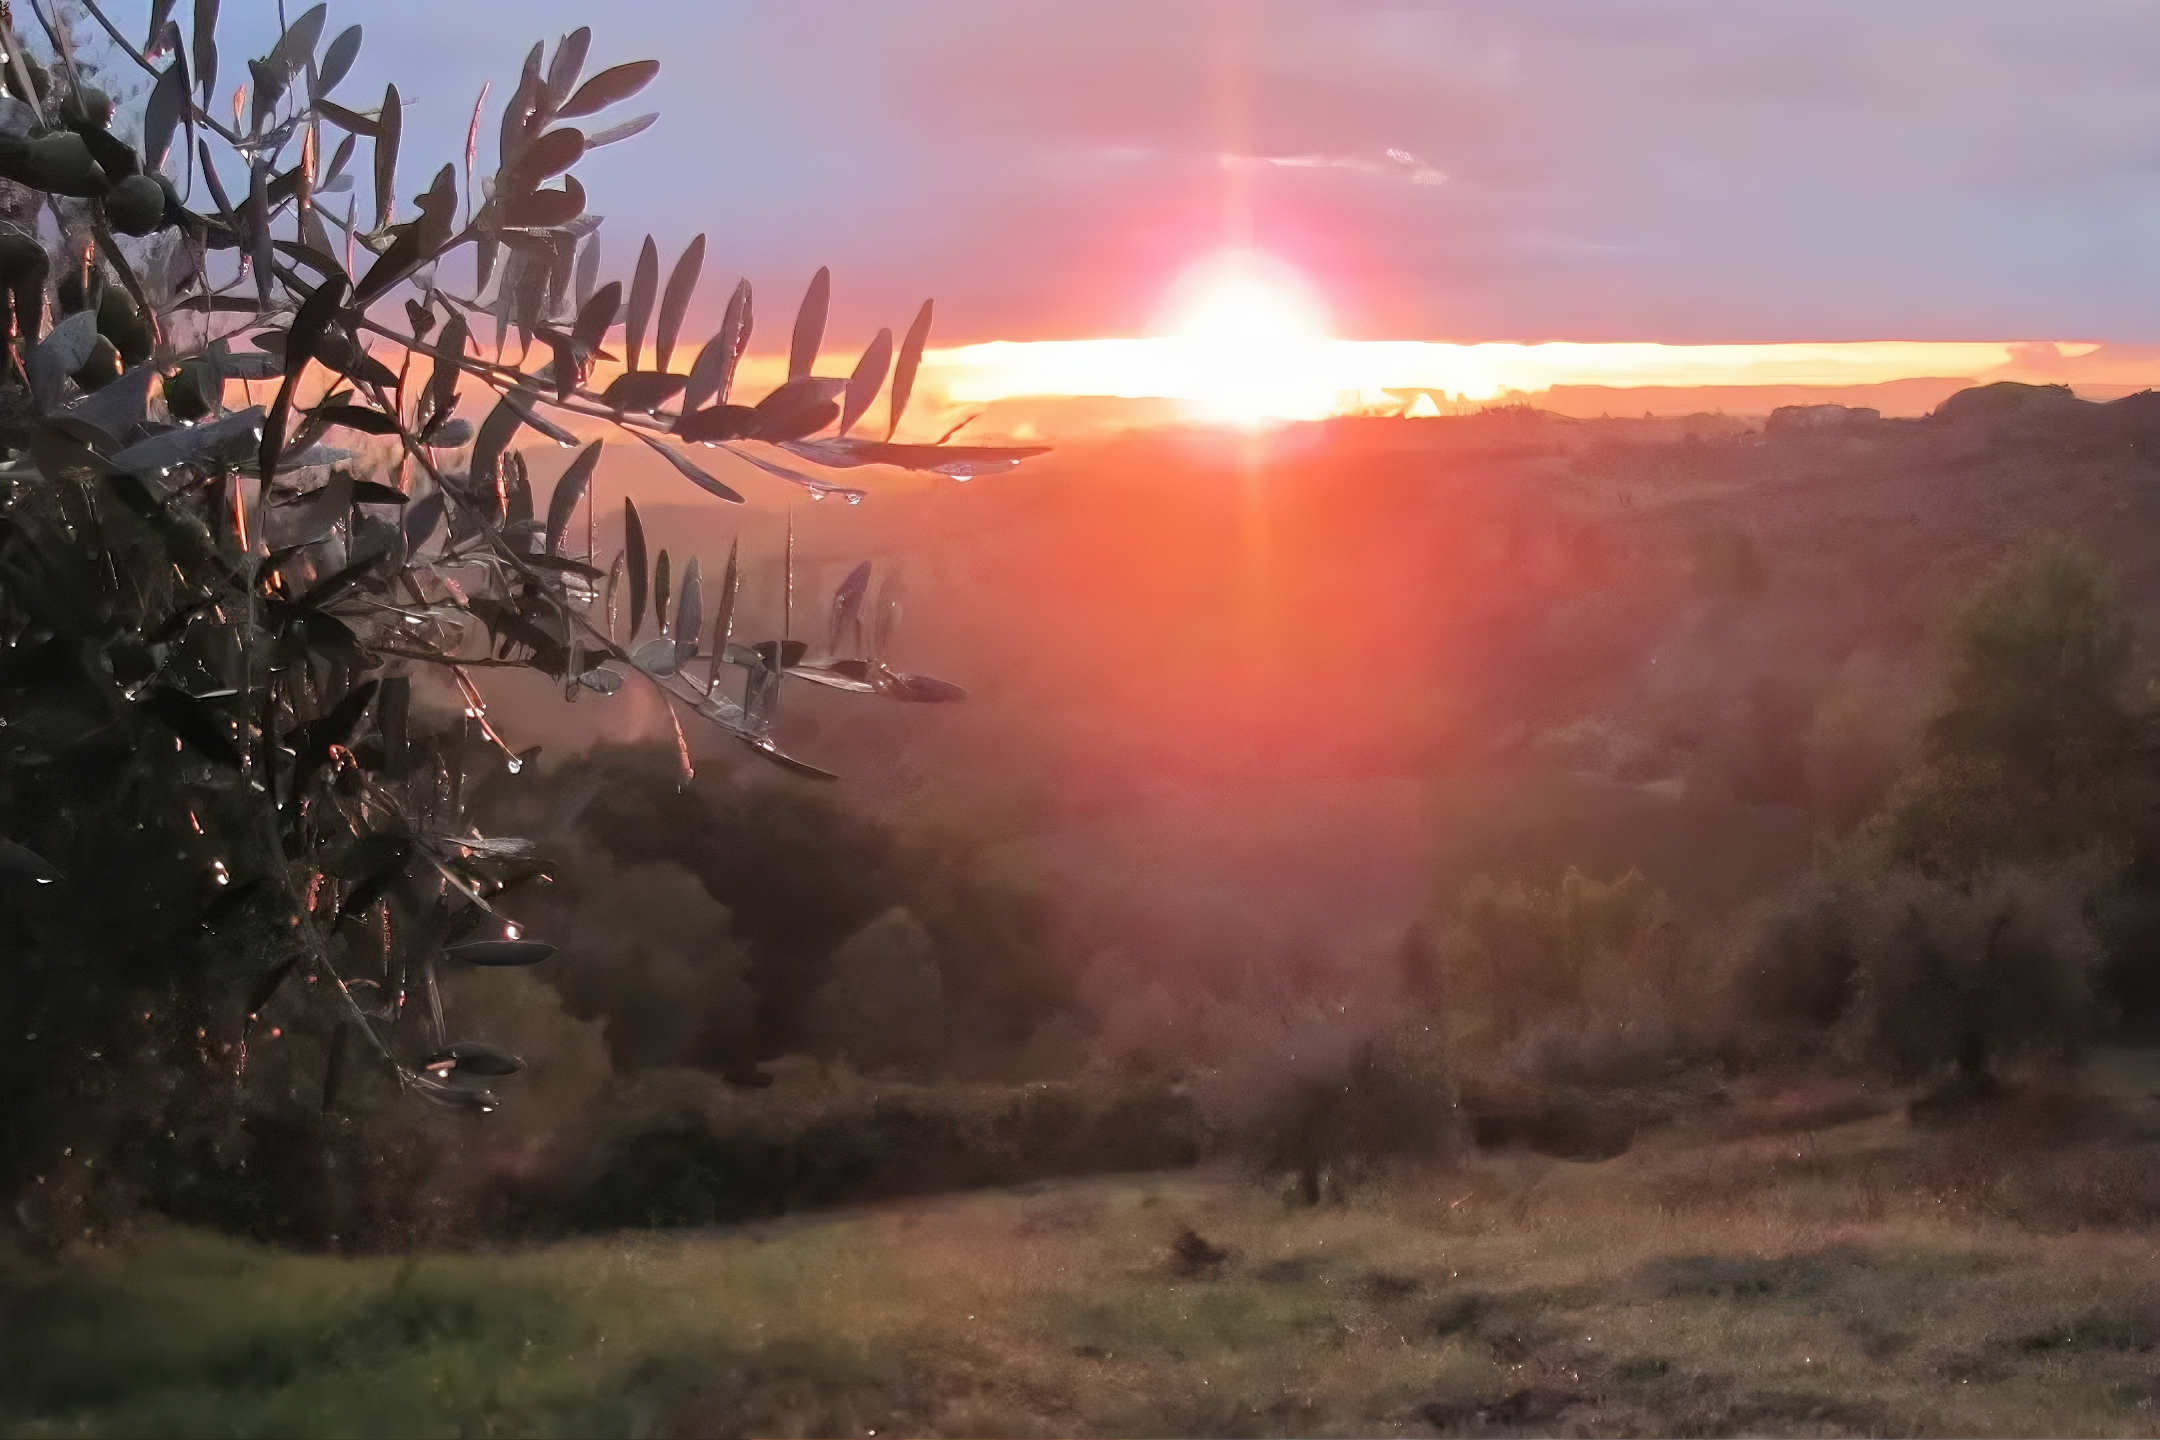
(128, 49)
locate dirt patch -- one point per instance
(1457, 1314)
(1194, 1256)
(1292, 1270)
(1746, 1277)
(1788, 1413)
(2133, 1328)
(1534, 1410)
(1387, 1287)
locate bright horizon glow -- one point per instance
(1276, 371)
(1248, 340)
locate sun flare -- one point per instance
(1251, 337)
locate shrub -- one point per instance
(1310, 1084)
(1969, 976)
(1521, 954)
(1392, 1099)
(1919, 974)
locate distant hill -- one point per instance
(1288, 686)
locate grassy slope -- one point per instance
(1853, 1278)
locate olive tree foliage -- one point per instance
(240, 729)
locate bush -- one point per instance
(1520, 955)
(1343, 1084)
(1971, 976)
(1392, 1099)
(1917, 974)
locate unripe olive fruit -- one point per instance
(192, 390)
(121, 323)
(101, 369)
(88, 106)
(136, 205)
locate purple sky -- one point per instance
(1676, 170)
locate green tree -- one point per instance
(883, 1006)
(2038, 755)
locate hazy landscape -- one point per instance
(1264, 876)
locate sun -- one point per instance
(1252, 342)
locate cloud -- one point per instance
(1396, 165)
(1841, 169)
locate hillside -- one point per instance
(1277, 690)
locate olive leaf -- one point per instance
(569, 490)
(189, 444)
(496, 433)
(682, 283)
(634, 556)
(301, 343)
(442, 386)
(692, 472)
(205, 50)
(642, 285)
(798, 408)
(162, 112)
(388, 125)
(724, 616)
(911, 353)
(716, 423)
(551, 154)
(690, 611)
(357, 417)
(868, 378)
(338, 60)
(640, 391)
(713, 372)
(596, 314)
(472, 1057)
(810, 325)
(160, 17)
(60, 354)
(296, 47)
(623, 131)
(563, 71)
(609, 87)
(194, 720)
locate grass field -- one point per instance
(1791, 1264)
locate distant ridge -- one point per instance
(1912, 397)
